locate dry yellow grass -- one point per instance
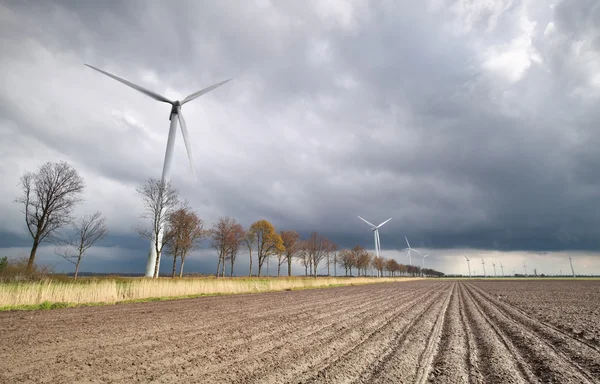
(113, 291)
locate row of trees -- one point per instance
(50, 195)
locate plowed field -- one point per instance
(415, 332)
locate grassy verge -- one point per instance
(51, 294)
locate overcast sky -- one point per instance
(474, 125)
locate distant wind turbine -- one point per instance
(494, 265)
(502, 267)
(571, 262)
(410, 249)
(468, 264)
(525, 266)
(175, 115)
(483, 265)
(375, 229)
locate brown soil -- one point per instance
(423, 331)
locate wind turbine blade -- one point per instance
(426, 255)
(384, 222)
(378, 241)
(417, 252)
(186, 139)
(366, 221)
(407, 241)
(145, 91)
(203, 91)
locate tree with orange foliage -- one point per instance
(185, 233)
(268, 242)
(291, 242)
(379, 264)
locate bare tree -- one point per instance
(291, 242)
(346, 260)
(48, 198)
(235, 240)
(249, 241)
(221, 241)
(330, 250)
(186, 232)
(160, 201)
(316, 246)
(88, 230)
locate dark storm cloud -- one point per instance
(470, 126)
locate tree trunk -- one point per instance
(268, 262)
(305, 269)
(289, 261)
(250, 273)
(335, 265)
(219, 266)
(181, 267)
(260, 264)
(155, 275)
(278, 269)
(231, 272)
(34, 248)
(174, 265)
(77, 267)
(328, 264)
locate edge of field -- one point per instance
(251, 287)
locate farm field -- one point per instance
(422, 331)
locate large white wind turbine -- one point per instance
(502, 267)
(483, 264)
(571, 262)
(494, 265)
(174, 116)
(468, 264)
(375, 229)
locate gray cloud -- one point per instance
(470, 126)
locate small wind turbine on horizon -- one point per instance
(502, 267)
(494, 265)
(174, 116)
(571, 262)
(525, 267)
(483, 265)
(375, 229)
(468, 264)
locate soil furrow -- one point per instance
(436, 330)
(310, 351)
(451, 364)
(547, 361)
(222, 356)
(412, 353)
(497, 360)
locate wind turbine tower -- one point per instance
(375, 229)
(423, 263)
(571, 262)
(525, 266)
(175, 116)
(494, 265)
(483, 265)
(468, 264)
(502, 268)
